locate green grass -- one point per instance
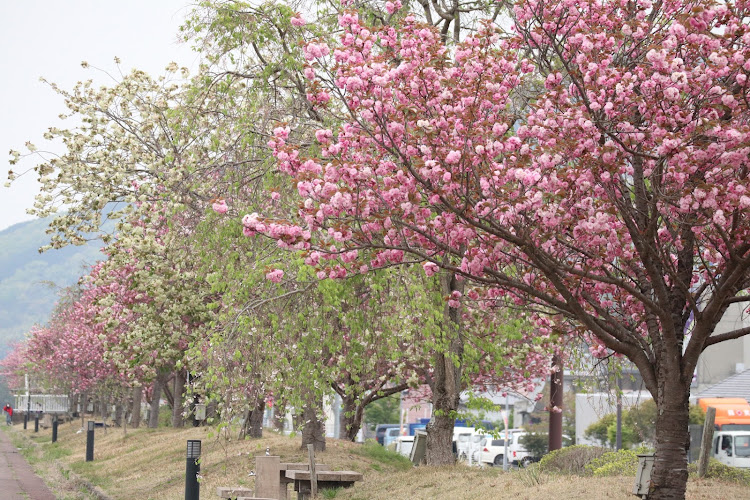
(372, 450)
(53, 451)
(88, 470)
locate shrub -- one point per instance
(570, 460)
(615, 463)
(717, 470)
(535, 444)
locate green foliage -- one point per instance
(383, 411)
(629, 435)
(722, 472)
(638, 425)
(372, 450)
(165, 416)
(615, 463)
(535, 443)
(598, 430)
(697, 415)
(571, 459)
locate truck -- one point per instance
(732, 448)
(732, 414)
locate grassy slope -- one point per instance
(150, 464)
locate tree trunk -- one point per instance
(350, 419)
(178, 420)
(555, 404)
(118, 416)
(136, 411)
(446, 384)
(313, 430)
(104, 411)
(255, 427)
(153, 418)
(669, 476)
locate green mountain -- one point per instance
(30, 281)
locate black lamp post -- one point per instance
(192, 469)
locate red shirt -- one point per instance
(9, 409)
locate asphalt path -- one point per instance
(17, 479)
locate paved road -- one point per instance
(17, 479)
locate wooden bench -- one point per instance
(282, 481)
(325, 480)
(294, 466)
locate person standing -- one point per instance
(9, 417)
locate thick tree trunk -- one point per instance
(313, 430)
(136, 408)
(253, 421)
(153, 418)
(446, 385)
(178, 420)
(350, 419)
(669, 476)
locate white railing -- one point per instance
(45, 403)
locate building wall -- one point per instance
(720, 360)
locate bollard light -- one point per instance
(36, 423)
(192, 469)
(54, 429)
(90, 441)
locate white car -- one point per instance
(493, 450)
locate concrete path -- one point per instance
(17, 479)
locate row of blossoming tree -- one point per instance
(583, 162)
(181, 297)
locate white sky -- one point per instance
(50, 38)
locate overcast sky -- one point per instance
(50, 38)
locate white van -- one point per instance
(467, 441)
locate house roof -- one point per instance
(736, 386)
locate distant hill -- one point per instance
(30, 281)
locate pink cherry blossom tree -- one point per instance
(590, 164)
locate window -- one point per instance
(742, 445)
(726, 445)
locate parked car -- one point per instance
(380, 433)
(467, 441)
(493, 450)
(391, 435)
